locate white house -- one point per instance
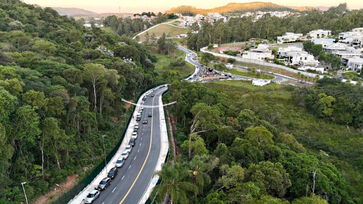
(358, 30)
(335, 47)
(355, 64)
(285, 51)
(345, 55)
(260, 53)
(289, 37)
(319, 33)
(324, 42)
(296, 56)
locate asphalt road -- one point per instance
(133, 178)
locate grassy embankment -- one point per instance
(164, 64)
(164, 28)
(338, 144)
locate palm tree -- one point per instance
(175, 184)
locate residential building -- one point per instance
(319, 33)
(345, 55)
(335, 47)
(358, 30)
(296, 56)
(289, 37)
(260, 53)
(324, 42)
(355, 64)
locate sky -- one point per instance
(102, 6)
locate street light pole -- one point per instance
(104, 151)
(22, 185)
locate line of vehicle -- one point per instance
(147, 156)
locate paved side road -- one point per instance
(136, 178)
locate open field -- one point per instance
(164, 64)
(163, 28)
(273, 69)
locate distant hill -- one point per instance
(73, 12)
(231, 7)
(304, 8)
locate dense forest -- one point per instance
(336, 19)
(60, 90)
(260, 145)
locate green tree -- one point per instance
(259, 136)
(231, 176)
(94, 73)
(325, 104)
(247, 118)
(45, 47)
(194, 146)
(273, 175)
(175, 184)
(313, 199)
(35, 99)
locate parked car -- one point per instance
(134, 135)
(136, 127)
(112, 173)
(132, 142)
(125, 154)
(120, 162)
(144, 122)
(92, 196)
(128, 148)
(138, 117)
(104, 184)
(152, 95)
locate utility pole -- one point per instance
(104, 151)
(22, 185)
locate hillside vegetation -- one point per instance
(73, 12)
(231, 7)
(237, 143)
(60, 91)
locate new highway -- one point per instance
(134, 177)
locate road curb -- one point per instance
(80, 196)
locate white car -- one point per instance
(134, 135)
(125, 154)
(92, 196)
(128, 148)
(120, 162)
(136, 127)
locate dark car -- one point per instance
(112, 173)
(104, 184)
(150, 115)
(132, 142)
(152, 95)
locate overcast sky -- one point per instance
(162, 5)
